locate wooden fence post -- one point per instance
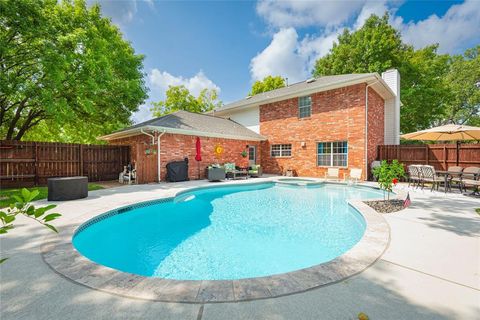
(457, 153)
(426, 154)
(35, 181)
(445, 156)
(80, 159)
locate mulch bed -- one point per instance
(386, 206)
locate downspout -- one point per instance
(159, 166)
(159, 163)
(148, 134)
(366, 127)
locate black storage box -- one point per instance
(177, 171)
(67, 188)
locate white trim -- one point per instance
(280, 150)
(135, 131)
(331, 154)
(307, 91)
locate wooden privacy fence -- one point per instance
(32, 163)
(441, 156)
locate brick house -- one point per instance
(331, 121)
(156, 142)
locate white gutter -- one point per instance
(131, 132)
(366, 127)
(148, 134)
(305, 91)
(159, 163)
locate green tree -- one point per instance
(462, 79)
(267, 84)
(376, 47)
(180, 98)
(388, 175)
(64, 69)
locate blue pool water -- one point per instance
(229, 232)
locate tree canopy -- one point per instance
(180, 98)
(267, 84)
(435, 88)
(463, 81)
(66, 73)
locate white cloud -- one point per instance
(294, 13)
(162, 79)
(457, 29)
(291, 56)
(159, 81)
(375, 7)
(120, 11)
(281, 58)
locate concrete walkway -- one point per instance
(431, 270)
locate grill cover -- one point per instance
(177, 171)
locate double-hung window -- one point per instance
(304, 106)
(332, 154)
(281, 150)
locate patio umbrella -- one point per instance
(448, 132)
(198, 155)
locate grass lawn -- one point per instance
(6, 194)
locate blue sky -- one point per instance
(227, 45)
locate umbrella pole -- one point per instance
(198, 169)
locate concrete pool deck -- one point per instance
(431, 270)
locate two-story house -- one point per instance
(331, 121)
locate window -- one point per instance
(332, 154)
(281, 150)
(304, 107)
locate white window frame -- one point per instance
(332, 154)
(304, 106)
(283, 148)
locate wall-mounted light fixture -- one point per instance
(303, 144)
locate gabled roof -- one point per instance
(189, 123)
(307, 87)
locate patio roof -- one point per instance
(189, 123)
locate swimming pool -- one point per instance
(229, 232)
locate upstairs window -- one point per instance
(281, 150)
(332, 154)
(304, 107)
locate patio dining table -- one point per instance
(447, 174)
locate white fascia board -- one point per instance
(136, 131)
(308, 91)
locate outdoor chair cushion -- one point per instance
(229, 167)
(254, 169)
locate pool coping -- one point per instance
(61, 256)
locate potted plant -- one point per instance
(244, 154)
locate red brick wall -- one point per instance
(146, 164)
(337, 115)
(376, 124)
(177, 147)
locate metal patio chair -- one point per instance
(470, 178)
(414, 175)
(430, 176)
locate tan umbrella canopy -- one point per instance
(448, 132)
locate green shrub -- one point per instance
(21, 205)
(388, 175)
